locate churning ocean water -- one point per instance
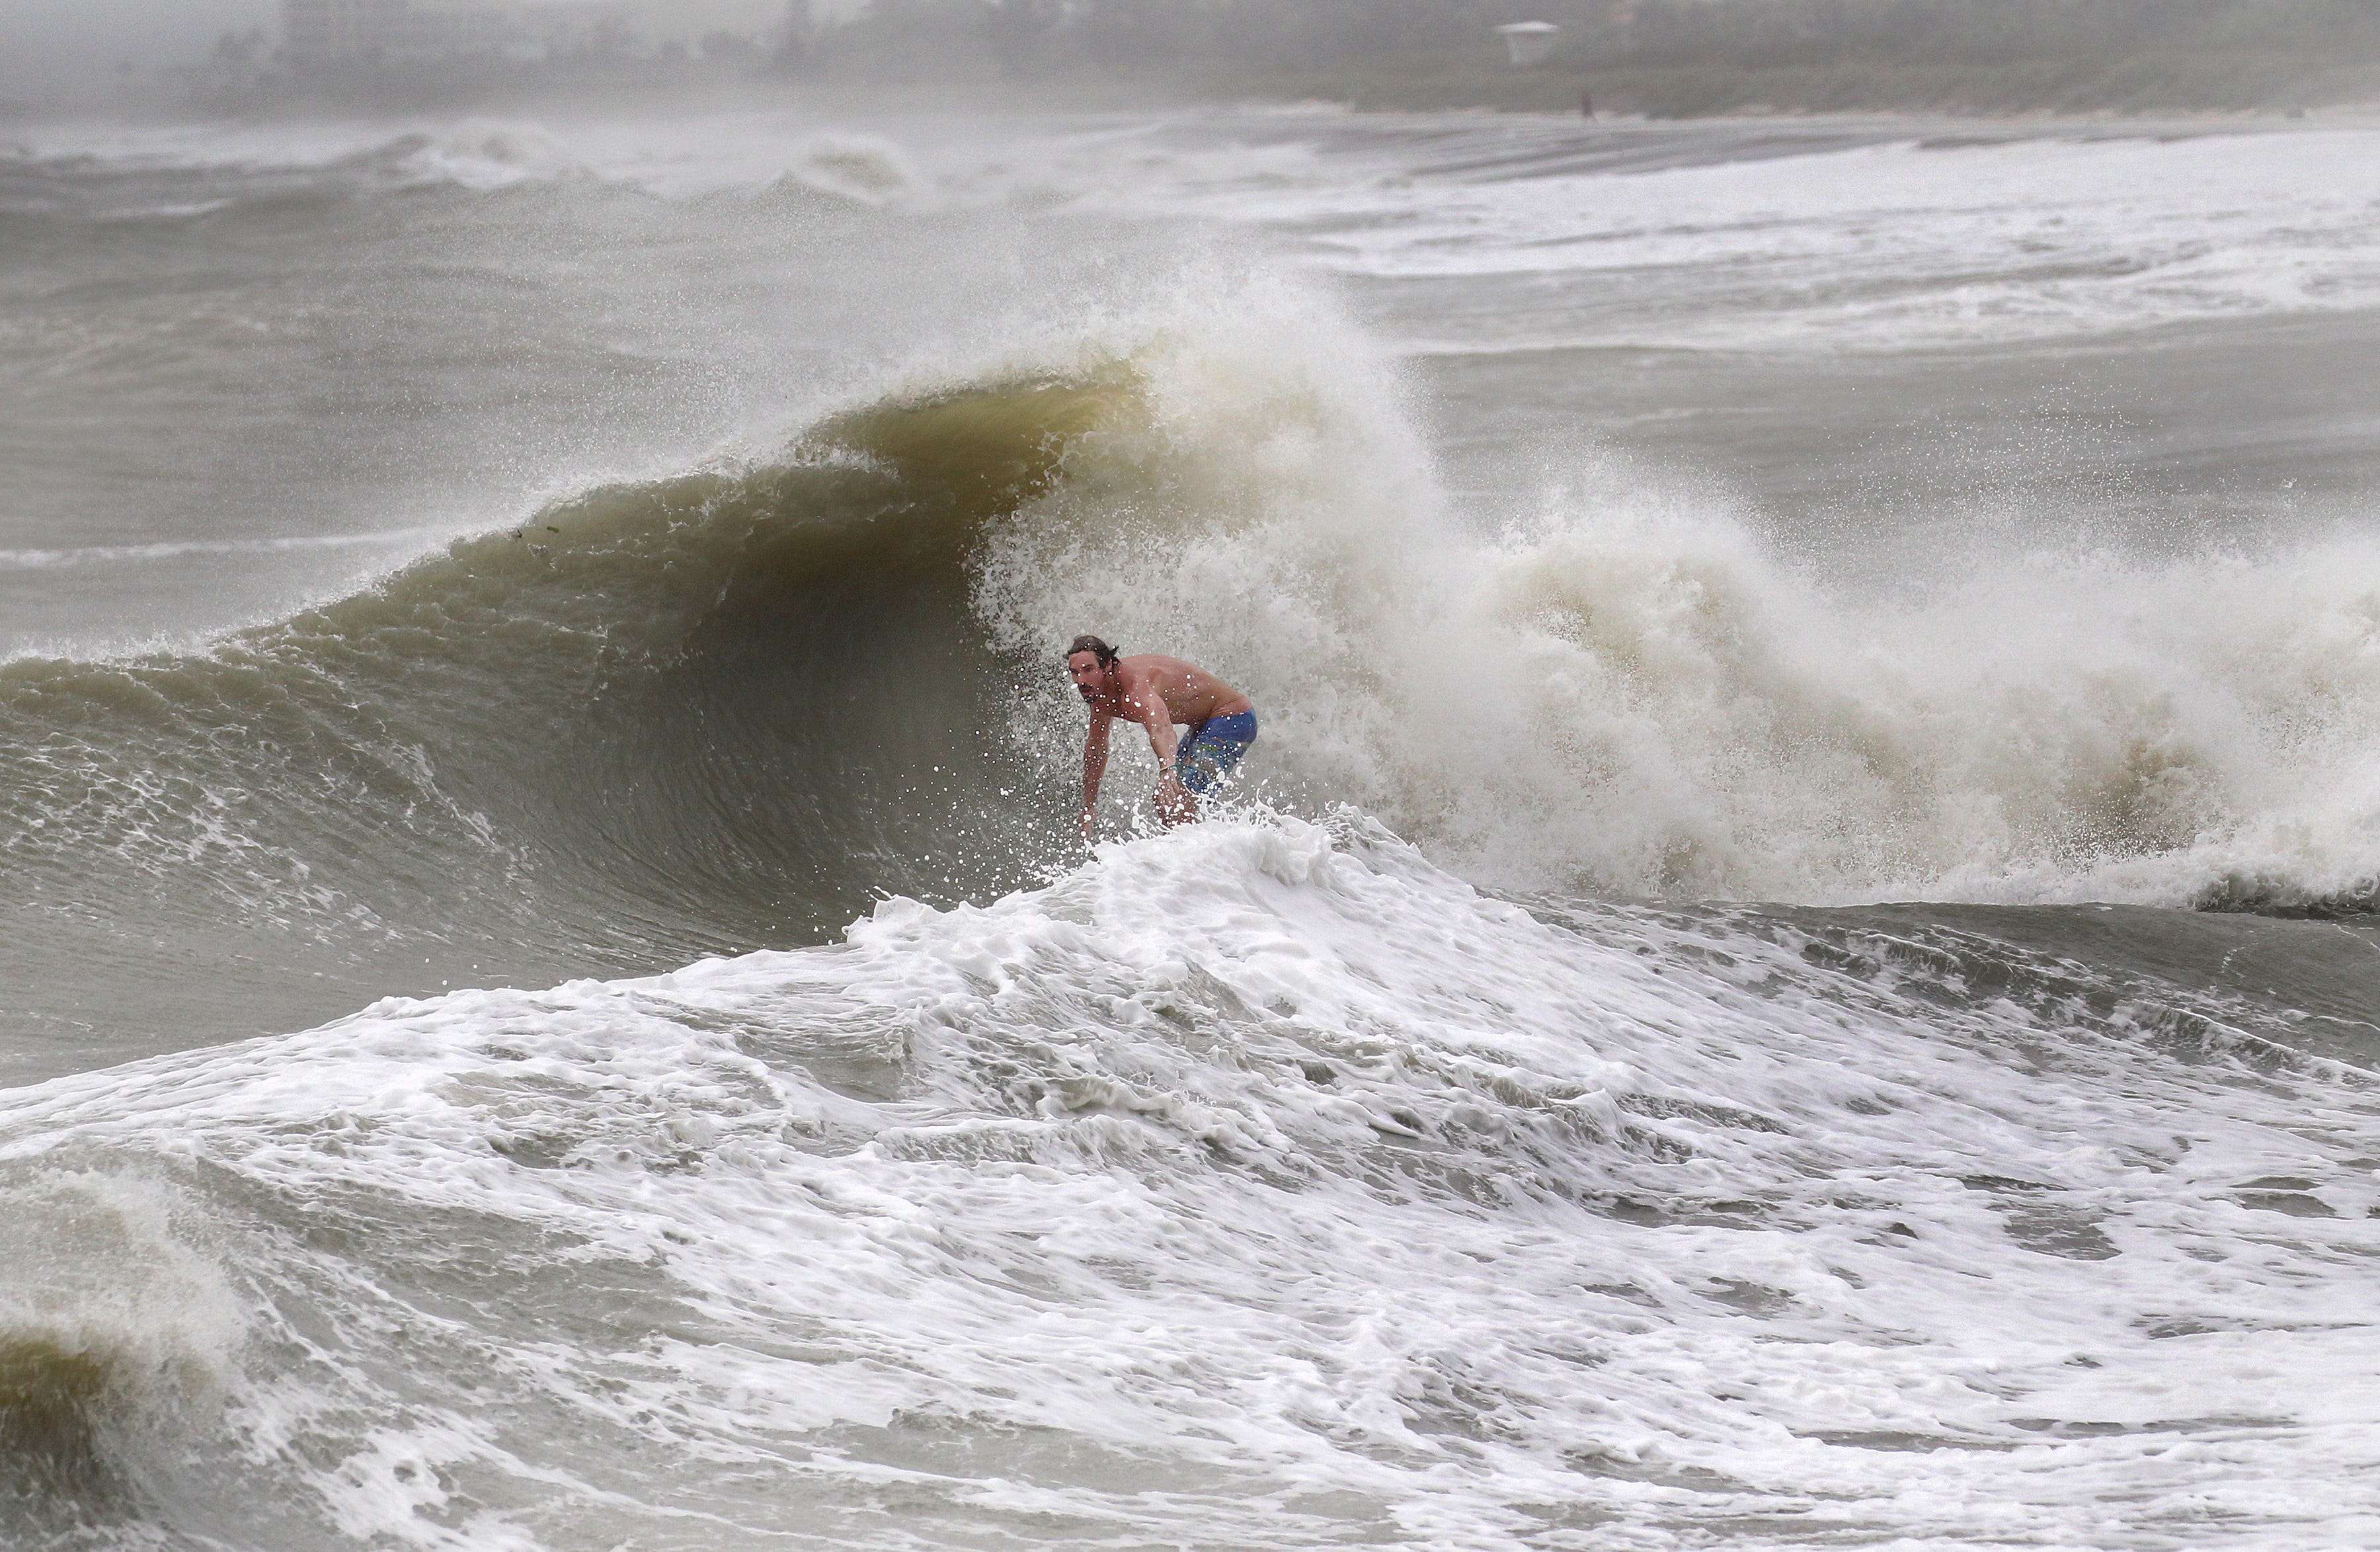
(1793, 967)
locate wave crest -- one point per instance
(107, 1320)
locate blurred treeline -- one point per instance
(1662, 56)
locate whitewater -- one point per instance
(1793, 967)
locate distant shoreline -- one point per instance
(2126, 86)
(2132, 87)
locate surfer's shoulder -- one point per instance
(1153, 667)
(1143, 670)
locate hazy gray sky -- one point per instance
(69, 50)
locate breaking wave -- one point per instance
(734, 706)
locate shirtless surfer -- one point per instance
(1158, 692)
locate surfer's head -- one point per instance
(1090, 662)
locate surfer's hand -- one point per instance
(1174, 803)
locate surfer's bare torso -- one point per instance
(1155, 691)
(1159, 693)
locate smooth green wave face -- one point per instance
(654, 720)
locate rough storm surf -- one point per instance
(1794, 969)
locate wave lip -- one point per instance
(859, 170)
(133, 176)
(109, 1325)
(93, 554)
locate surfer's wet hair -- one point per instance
(1097, 648)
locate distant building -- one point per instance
(1529, 42)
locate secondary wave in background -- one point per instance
(1881, 234)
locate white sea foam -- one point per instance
(1649, 236)
(108, 1316)
(1890, 245)
(1628, 691)
(1265, 1180)
(177, 549)
(480, 153)
(858, 169)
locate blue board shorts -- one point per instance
(1213, 747)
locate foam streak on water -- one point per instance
(40, 560)
(1263, 1187)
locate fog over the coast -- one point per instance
(72, 50)
(1661, 58)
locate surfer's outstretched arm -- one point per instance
(1095, 764)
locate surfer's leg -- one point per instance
(1213, 748)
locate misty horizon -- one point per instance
(1662, 57)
